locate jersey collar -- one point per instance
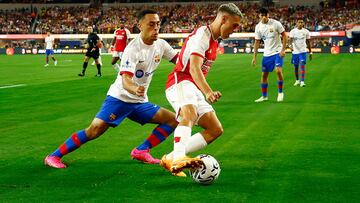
(143, 44)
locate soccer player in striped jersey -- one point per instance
(187, 86)
(270, 31)
(299, 39)
(127, 96)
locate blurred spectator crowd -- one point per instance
(174, 18)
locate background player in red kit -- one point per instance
(121, 38)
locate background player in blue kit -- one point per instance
(270, 31)
(49, 45)
(299, 39)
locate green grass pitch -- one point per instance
(306, 149)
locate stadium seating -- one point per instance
(175, 18)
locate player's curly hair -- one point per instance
(231, 9)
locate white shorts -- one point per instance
(185, 93)
(117, 54)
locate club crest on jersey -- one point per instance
(112, 117)
(271, 29)
(157, 58)
(139, 73)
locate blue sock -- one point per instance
(71, 144)
(280, 86)
(158, 135)
(264, 87)
(302, 66)
(296, 71)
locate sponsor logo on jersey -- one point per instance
(139, 73)
(147, 74)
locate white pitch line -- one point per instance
(11, 86)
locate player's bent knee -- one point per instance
(173, 123)
(95, 130)
(218, 131)
(188, 121)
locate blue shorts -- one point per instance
(296, 58)
(270, 62)
(49, 52)
(113, 111)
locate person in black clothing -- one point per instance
(93, 41)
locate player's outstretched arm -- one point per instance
(290, 41)
(113, 43)
(284, 44)
(309, 47)
(199, 78)
(131, 87)
(256, 47)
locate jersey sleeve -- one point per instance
(291, 34)
(169, 52)
(199, 43)
(127, 33)
(257, 33)
(280, 28)
(307, 34)
(128, 63)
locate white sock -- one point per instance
(181, 137)
(195, 143)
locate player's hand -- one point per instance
(310, 56)
(140, 91)
(253, 62)
(112, 48)
(93, 49)
(282, 53)
(213, 97)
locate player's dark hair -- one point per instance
(142, 13)
(263, 11)
(300, 18)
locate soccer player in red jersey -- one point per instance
(121, 39)
(187, 86)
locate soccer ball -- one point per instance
(208, 172)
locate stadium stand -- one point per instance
(176, 18)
